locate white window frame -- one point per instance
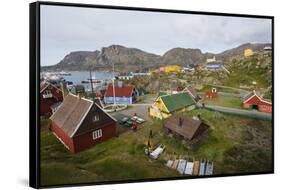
(96, 117)
(97, 134)
(47, 92)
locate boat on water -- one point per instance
(63, 73)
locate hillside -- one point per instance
(132, 59)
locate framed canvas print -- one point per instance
(123, 94)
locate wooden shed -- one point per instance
(253, 101)
(188, 128)
(80, 123)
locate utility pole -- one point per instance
(91, 84)
(113, 86)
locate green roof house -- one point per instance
(166, 105)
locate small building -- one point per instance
(164, 106)
(125, 77)
(212, 94)
(253, 101)
(187, 69)
(248, 52)
(80, 123)
(267, 49)
(50, 97)
(76, 89)
(172, 69)
(140, 74)
(162, 69)
(186, 127)
(214, 66)
(210, 60)
(120, 94)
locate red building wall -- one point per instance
(262, 106)
(46, 103)
(63, 137)
(85, 141)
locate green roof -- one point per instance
(174, 102)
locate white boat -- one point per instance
(63, 73)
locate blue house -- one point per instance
(124, 94)
(213, 65)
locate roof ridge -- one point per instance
(84, 116)
(172, 94)
(69, 113)
(48, 83)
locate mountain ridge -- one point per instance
(133, 59)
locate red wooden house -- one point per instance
(80, 123)
(50, 98)
(212, 94)
(252, 100)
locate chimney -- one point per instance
(63, 89)
(180, 121)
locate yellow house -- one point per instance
(248, 52)
(164, 106)
(172, 68)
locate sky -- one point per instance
(67, 29)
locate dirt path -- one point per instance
(248, 113)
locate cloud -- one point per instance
(66, 29)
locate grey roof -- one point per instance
(189, 126)
(249, 95)
(71, 113)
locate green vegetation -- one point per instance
(225, 101)
(208, 88)
(121, 158)
(149, 96)
(234, 144)
(246, 71)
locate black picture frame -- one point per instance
(34, 84)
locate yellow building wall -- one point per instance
(248, 52)
(173, 68)
(154, 113)
(163, 111)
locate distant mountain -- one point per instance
(131, 59)
(183, 57)
(240, 50)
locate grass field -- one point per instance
(226, 101)
(208, 88)
(234, 144)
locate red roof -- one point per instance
(125, 91)
(253, 98)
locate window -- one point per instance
(96, 118)
(97, 134)
(47, 94)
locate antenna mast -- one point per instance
(113, 86)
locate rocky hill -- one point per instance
(131, 59)
(240, 50)
(183, 57)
